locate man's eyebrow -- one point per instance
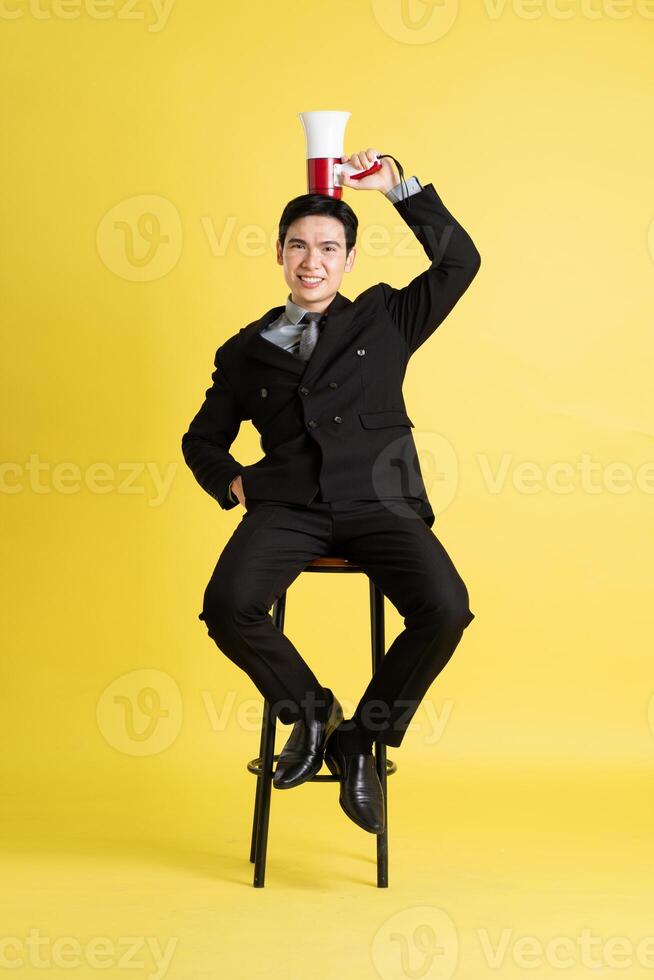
(328, 241)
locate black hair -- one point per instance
(307, 204)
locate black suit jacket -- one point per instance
(337, 421)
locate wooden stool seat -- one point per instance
(331, 561)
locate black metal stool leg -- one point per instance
(378, 647)
(261, 838)
(257, 798)
(264, 781)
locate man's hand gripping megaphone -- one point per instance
(382, 178)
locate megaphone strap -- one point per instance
(403, 184)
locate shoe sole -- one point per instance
(334, 771)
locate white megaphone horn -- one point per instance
(324, 133)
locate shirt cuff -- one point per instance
(231, 495)
(398, 193)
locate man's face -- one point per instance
(314, 249)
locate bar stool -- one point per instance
(262, 766)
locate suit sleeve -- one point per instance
(419, 308)
(205, 446)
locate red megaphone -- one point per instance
(324, 132)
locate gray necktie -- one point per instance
(309, 336)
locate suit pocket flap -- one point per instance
(377, 420)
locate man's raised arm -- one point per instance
(419, 308)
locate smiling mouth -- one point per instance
(310, 280)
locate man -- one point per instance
(321, 379)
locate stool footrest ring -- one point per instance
(255, 767)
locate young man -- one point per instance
(321, 379)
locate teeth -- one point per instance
(310, 278)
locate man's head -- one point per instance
(317, 236)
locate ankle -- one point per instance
(320, 705)
(353, 739)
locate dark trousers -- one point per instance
(272, 545)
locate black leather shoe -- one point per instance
(361, 795)
(301, 758)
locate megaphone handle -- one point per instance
(356, 174)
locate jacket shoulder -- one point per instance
(230, 351)
(370, 300)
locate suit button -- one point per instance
(333, 384)
(361, 351)
(305, 391)
(312, 423)
(337, 418)
(263, 392)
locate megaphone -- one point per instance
(324, 133)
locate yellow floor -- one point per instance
(491, 874)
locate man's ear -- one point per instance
(280, 253)
(349, 262)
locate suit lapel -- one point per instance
(340, 314)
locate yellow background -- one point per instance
(529, 809)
